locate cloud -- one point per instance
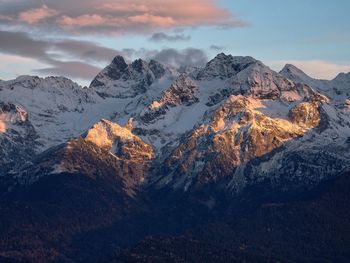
(159, 37)
(6, 18)
(216, 48)
(83, 59)
(51, 19)
(82, 56)
(122, 16)
(84, 50)
(319, 69)
(16, 65)
(86, 21)
(17, 43)
(71, 69)
(36, 15)
(178, 58)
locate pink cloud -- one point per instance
(36, 15)
(149, 19)
(174, 12)
(83, 20)
(132, 16)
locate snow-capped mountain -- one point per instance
(17, 137)
(147, 149)
(53, 105)
(122, 80)
(338, 88)
(232, 123)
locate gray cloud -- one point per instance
(71, 69)
(159, 37)
(85, 50)
(18, 43)
(216, 48)
(82, 59)
(176, 58)
(52, 52)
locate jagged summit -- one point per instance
(121, 80)
(53, 104)
(291, 68)
(182, 92)
(139, 65)
(119, 62)
(224, 66)
(35, 82)
(17, 137)
(292, 72)
(343, 77)
(338, 88)
(223, 58)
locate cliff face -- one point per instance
(18, 139)
(183, 91)
(237, 133)
(305, 114)
(108, 151)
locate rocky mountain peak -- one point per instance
(338, 89)
(104, 133)
(224, 66)
(293, 73)
(119, 62)
(182, 92)
(157, 68)
(12, 113)
(107, 150)
(237, 133)
(139, 65)
(119, 140)
(344, 77)
(17, 137)
(120, 79)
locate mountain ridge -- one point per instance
(148, 149)
(168, 109)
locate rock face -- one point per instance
(305, 114)
(183, 91)
(122, 80)
(107, 150)
(338, 89)
(17, 137)
(119, 140)
(11, 114)
(236, 134)
(224, 66)
(55, 106)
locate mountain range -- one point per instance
(150, 162)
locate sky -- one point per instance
(78, 38)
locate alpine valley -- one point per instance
(229, 162)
